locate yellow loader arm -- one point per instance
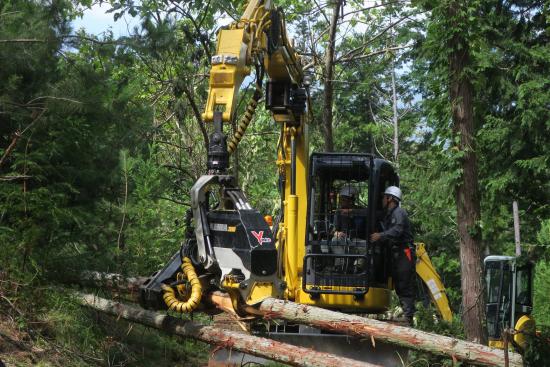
(245, 44)
(430, 277)
(259, 40)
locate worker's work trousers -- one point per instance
(403, 274)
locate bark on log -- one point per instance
(111, 281)
(357, 326)
(262, 347)
(469, 352)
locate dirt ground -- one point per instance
(17, 348)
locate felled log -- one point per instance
(469, 352)
(111, 281)
(361, 327)
(261, 347)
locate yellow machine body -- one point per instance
(509, 301)
(524, 326)
(426, 271)
(240, 47)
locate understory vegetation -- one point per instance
(101, 141)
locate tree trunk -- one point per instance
(386, 332)
(517, 238)
(262, 347)
(362, 327)
(466, 190)
(395, 118)
(329, 75)
(338, 322)
(110, 281)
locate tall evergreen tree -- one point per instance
(448, 48)
(461, 93)
(513, 104)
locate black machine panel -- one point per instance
(248, 235)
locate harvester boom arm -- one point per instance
(257, 38)
(426, 271)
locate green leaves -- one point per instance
(543, 236)
(106, 113)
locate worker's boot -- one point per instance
(404, 320)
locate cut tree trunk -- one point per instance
(111, 281)
(404, 336)
(352, 325)
(262, 347)
(362, 327)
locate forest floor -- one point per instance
(114, 343)
(17, 348)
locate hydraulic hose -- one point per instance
(246, 119)
(170, 298)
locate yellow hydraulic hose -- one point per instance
(170, 298)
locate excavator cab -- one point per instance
(509, 285)
(344, 208)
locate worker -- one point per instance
(396, 232)
(348, 223)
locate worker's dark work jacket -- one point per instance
(397, 234)
(397, 228)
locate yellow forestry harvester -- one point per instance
(232, 248)
(509, 288)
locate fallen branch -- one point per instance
(262, 347)
(22, 40)
(10, 147)
(14, 178)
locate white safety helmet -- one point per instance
(348, 191)
(393, 191)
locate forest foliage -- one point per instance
(101, 137)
